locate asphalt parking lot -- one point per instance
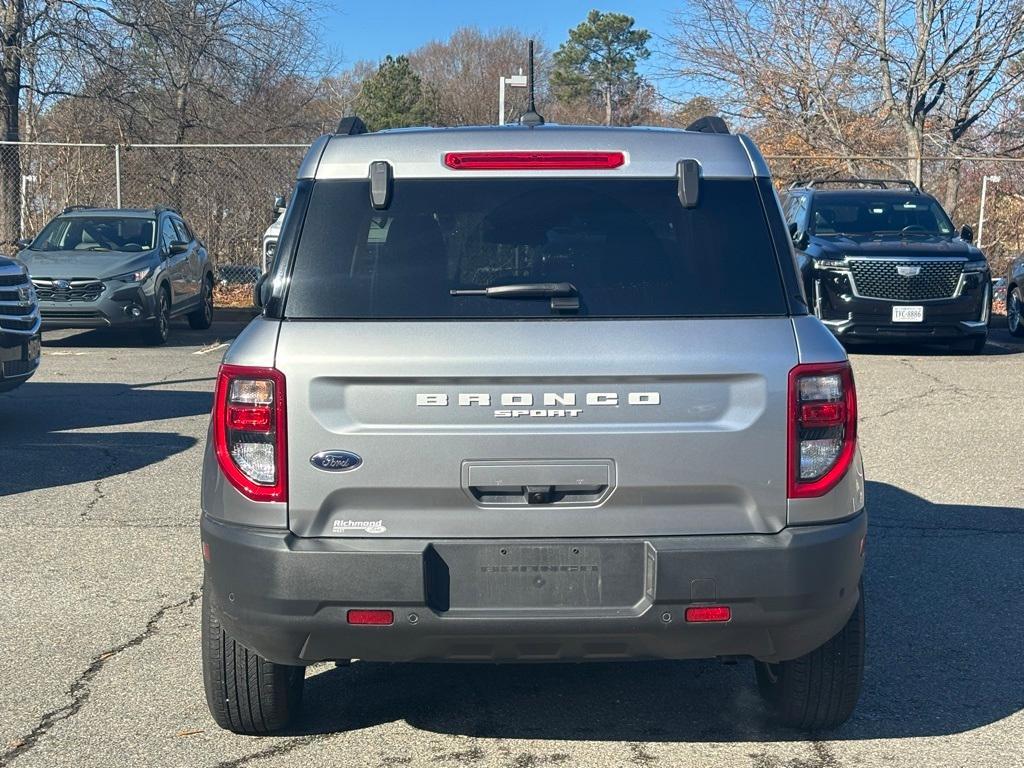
(101, 570)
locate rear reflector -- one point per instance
(372, 618)
(708, 613)
(533, 161)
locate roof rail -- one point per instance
(70, 208)
(165, 209)
(880, 183)
(351, 126)
(708, 124)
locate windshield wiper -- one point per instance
(562, 295)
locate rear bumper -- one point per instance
(287, 599)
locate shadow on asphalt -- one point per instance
(943, 589)
(106, 338)
(37, 450)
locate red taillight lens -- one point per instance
(701, 614)
(533, 161)
(249, 431)
(822, 427)
(376, 618)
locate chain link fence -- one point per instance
(226, 192)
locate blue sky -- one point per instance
(371, 29)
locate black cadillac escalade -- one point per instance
(19, 325)
(882, 261)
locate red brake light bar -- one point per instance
(533, 161)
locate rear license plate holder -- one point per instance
(908, 314)
(525, 576)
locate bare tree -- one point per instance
(790, 67)
(944, 66)
(463, 73)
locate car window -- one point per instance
(183, 233)
(868, 215)
(628, 246)
(167, 234)
(97, 233)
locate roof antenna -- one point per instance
(531, 118)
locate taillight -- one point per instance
(533, 161)
(822, 427)
(249, 431)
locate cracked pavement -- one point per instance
(99, 614)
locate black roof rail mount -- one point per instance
(708, 124)
(70, 208)
(854, 182)
(351, 126)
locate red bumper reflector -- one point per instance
(533, 161)
(707, 613)
(372, 618)
(206, 551)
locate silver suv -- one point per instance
(533, 394)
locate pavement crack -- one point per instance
(81, 690)
(281, 748)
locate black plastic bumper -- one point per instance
(287, 598)
(852, 317)
(111, 310)
(16, 364)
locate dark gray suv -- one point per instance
(120, 268)
(20, 340)
(507, 401)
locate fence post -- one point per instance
(117, 172)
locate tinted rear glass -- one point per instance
(628, 245)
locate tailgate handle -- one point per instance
(503, 483)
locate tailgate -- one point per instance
(537, 429)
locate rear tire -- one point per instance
(202, 318)
(818, 691)
(160, 329)
(246, 693)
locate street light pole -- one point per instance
(25, 178)
(981, 213)
(516, 81)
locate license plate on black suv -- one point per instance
(33, 348)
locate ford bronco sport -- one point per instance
(882, 262)
(508, 402)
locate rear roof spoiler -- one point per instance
(708, 124)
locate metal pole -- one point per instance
(117, 172)
(501, 100)
(21, 220)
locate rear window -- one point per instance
(627, 245)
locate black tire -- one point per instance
(1014, 310)
(202, 318)
(160, 328)
(246, 693)
(818, 691)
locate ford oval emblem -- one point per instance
(336, 461)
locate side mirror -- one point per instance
(176, 247)
(800, 239)
(24, 242)
(280, 203)
(259, 297)
(967, 234)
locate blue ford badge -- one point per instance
(336, 461)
